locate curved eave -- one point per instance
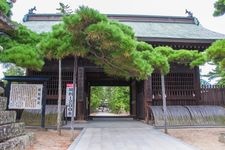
(176, 40)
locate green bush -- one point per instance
(117, 99)
(4, 7)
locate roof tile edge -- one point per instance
(119, 17)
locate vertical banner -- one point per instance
(69, 100)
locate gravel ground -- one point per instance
(202, 138)
(50, 140)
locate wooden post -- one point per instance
(80, 94)
(164, 103)
(43, 105)
(133, 91)
(59, 98)
(74, 96)
(197, 86)
(147, 97)
(7, 92)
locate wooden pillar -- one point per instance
(80, 94)
(140, 103)
(197, 86)
(7, 92)
(88, 98)
(147, 97)
(133, 110)
(43, 109)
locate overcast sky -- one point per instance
(202, 9)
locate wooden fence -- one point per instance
(213, 95)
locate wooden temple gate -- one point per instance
(182, 83)
(182, 86)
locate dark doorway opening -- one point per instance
(109, 101)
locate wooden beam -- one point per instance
(80, 94)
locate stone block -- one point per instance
(8, 131)
(7, 117)
(17, 143)
(2, 90)
(3, 103)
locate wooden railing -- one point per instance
(213, 95)
(180, 89)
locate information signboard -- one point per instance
(69, 100)
(25, 96)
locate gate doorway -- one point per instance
(94, 79)
(109, 101)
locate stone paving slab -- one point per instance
(3, 103)
(131, 138)
(7, 117)
(8, 131)
(17, 143)
(108, 124)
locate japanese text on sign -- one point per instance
(69, 100)
(25, 96)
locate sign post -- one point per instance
(25, 96)
(37, 93)
(70, 103)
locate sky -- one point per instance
(202, 9)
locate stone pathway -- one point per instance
(125, 135)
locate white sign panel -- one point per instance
(25, 96)
(69, 100)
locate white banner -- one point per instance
(25, 96)
(69, 100)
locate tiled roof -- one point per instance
(149, 27)
(172, 30)
(40, 26)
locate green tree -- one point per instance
(218, 48)
(4, 7)
(113, 46)
(54, 46)
(169, 56)
(20, 48)
(219, 6)
(116, 98)
(108, 44)
(217, 73)
(119, 100)
(97, 95)
(216, 53)
(13, 70)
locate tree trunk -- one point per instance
(59, 99)
(164, 103)
(74, 95)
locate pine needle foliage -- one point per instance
(219, 6)
(20, 49)
(4, 7)
(217, 73)
(189, 58)
(216, 53)
(56, 44)
(111, 45)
